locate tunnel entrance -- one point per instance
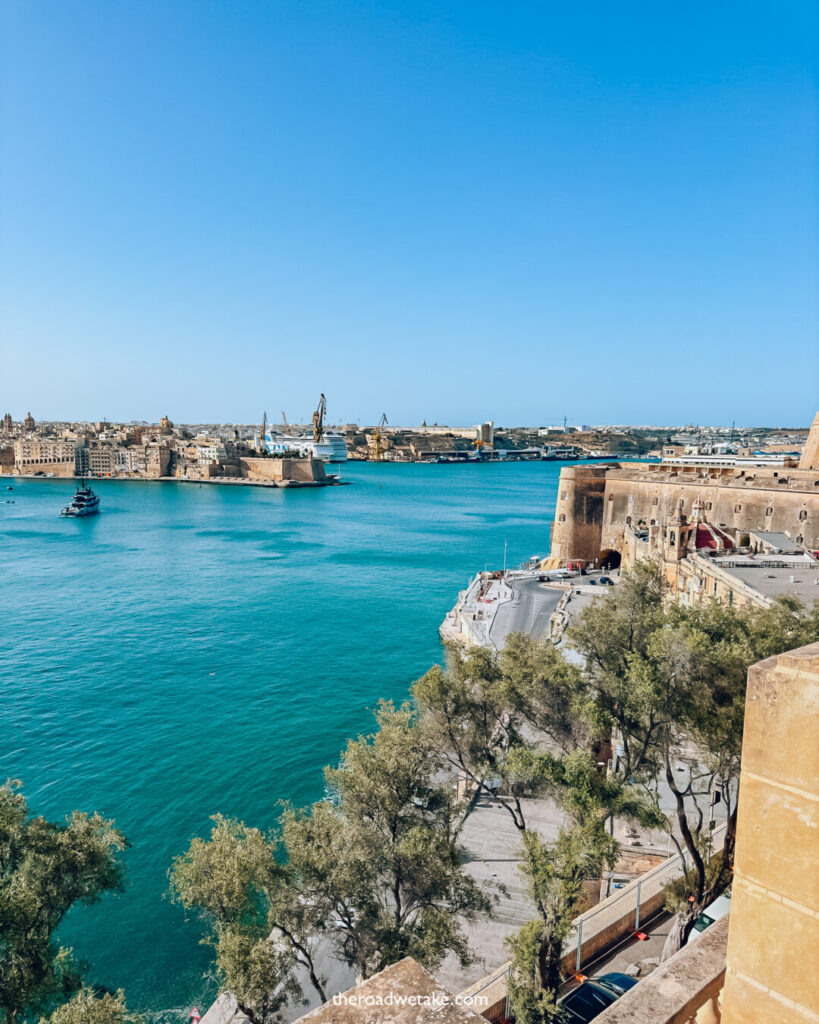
(609, 559)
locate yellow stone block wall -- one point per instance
(773, 940)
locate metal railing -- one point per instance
(632, 898)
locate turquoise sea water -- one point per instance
(200, 649)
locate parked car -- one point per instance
(607, 581)
(713, 912)
(592, 997)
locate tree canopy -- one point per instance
(383, 851)
(45, 869)
(371, 874)
(481, 709)
(669, 681)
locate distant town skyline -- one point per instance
(304, 421)
(450, 211)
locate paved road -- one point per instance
(528, 611)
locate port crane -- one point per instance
(318, 420)
(287, 429)
(378, 448)
(263, 429)
(480, 444)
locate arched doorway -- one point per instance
(609, 559)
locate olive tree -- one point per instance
(382, 852)
(669, 681)
(373, 873)
(46, 868)
(258, 924)
(91, 1007)
(481, 707)
(556, 872)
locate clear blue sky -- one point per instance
(454, 210)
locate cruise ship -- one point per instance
(322, 445)
(331, 447)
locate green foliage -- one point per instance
(585, 790)
(45, 869)
(376, 871)
(479, 707)
(88, 1007)
(258, 971)
(383, 853)
(529, 1002)
(671, 681)
(613, 635)
(555, 875)
(259, 925)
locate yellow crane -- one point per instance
(479, 444)
(287, 429)
(378, 448)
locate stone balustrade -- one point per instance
(686, 989)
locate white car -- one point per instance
(713, 912)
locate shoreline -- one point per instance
(218, 481)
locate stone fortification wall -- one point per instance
(810, 453)
(61, 469)
(579, 513)
(305, 471)
(778, 500)
(596, 503)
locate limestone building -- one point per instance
(700, 519)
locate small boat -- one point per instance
(84, 503)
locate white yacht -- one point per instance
(84, 503)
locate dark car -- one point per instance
(608, 582)
(592, 997)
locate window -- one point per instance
(769, 510)
(564, 495)
(671, 538)
(800, 539)
(737, 508)
(611, 496)
(628, 520)
(655, 501)
(709, 505)
(682, 502)
(561, 519)
(803, 515)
